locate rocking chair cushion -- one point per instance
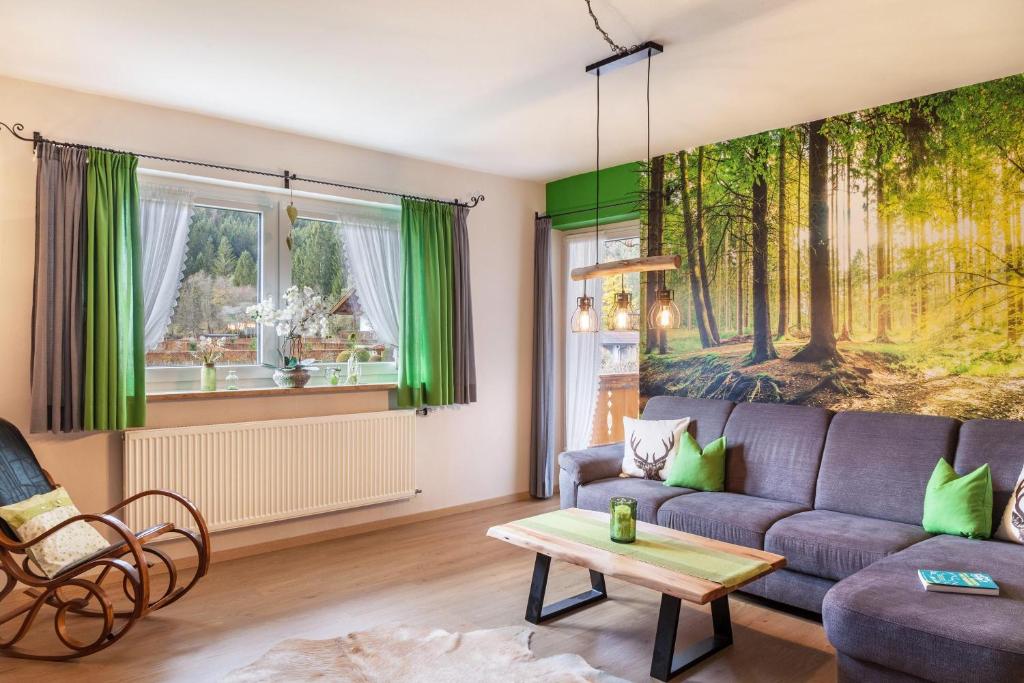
(21, 476)
(32, 517)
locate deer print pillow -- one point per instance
(1012, 526)
(651, 446)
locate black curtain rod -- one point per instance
(588, 209)
(286, 176)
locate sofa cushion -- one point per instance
(775, 450)
(707, 416)
(878, 464)
(834, 545)
(591, 464)
(798, 590)
(882, 615)
(730, 517)
(649, 494)
(998, 443)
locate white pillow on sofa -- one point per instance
(1012, 526)
(650, 446)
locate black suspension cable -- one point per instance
(597, 176)
(289, 178)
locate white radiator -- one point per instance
(256, 472)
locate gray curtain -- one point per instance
(543, 406)
(462, 316)
(57, 335)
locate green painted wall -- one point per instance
(620, 190)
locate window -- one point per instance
(318, 262)
(619, 349)
(594, 409)
(241, 248)
(220, 279)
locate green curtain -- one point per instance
(426, 357)
(114, 394)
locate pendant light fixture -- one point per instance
(625, 319)
(585, 319)
(664, 314)
(623, 56)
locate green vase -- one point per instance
(208, 377)
(622, 519)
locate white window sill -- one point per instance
(164, 384)
(263, 392)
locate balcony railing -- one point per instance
(618, 396)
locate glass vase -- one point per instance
(208, 377)
(622, 519)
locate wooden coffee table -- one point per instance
(673, 585)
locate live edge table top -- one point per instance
(667, 581)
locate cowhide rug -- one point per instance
(419, 655)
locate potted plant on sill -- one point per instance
(209, 351)
(304, 314)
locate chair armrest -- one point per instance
(193, 511)
(591, 464)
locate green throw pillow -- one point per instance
(697, 469)
(959, 506)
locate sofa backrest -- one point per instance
(774, 450)
(1000, 443)
(878, 464)
(707, 416)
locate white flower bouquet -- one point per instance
(303, 314)
(208, 350)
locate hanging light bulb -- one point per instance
(584, 319)
(624, 318)
(664, 313)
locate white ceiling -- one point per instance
(500, 86)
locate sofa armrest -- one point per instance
(591, 464)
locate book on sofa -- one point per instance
(942, 581)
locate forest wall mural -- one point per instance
(871, 260)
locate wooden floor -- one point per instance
(441, 573)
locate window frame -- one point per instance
(274, 272)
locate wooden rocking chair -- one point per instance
(82, 588)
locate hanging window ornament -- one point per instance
(293, 213)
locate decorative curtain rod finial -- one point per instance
(473, 201)
(17, 128)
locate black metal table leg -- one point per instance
(666, 664)
(536, 612)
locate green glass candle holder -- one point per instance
(622, 512)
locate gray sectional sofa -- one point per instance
(841, 495)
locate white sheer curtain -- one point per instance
(373, 256)
(164, 213)
(582, 351)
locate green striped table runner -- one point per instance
(721, 567)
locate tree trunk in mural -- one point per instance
(822, 345)
(783, 241)
(881, 259)
(763, 349)
(740, 303)
(1012, 265)
(847, 285)
(709, 309)
(867, 251)
(848, 326)
(655, 231)
(692, 265)
(799, 238)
